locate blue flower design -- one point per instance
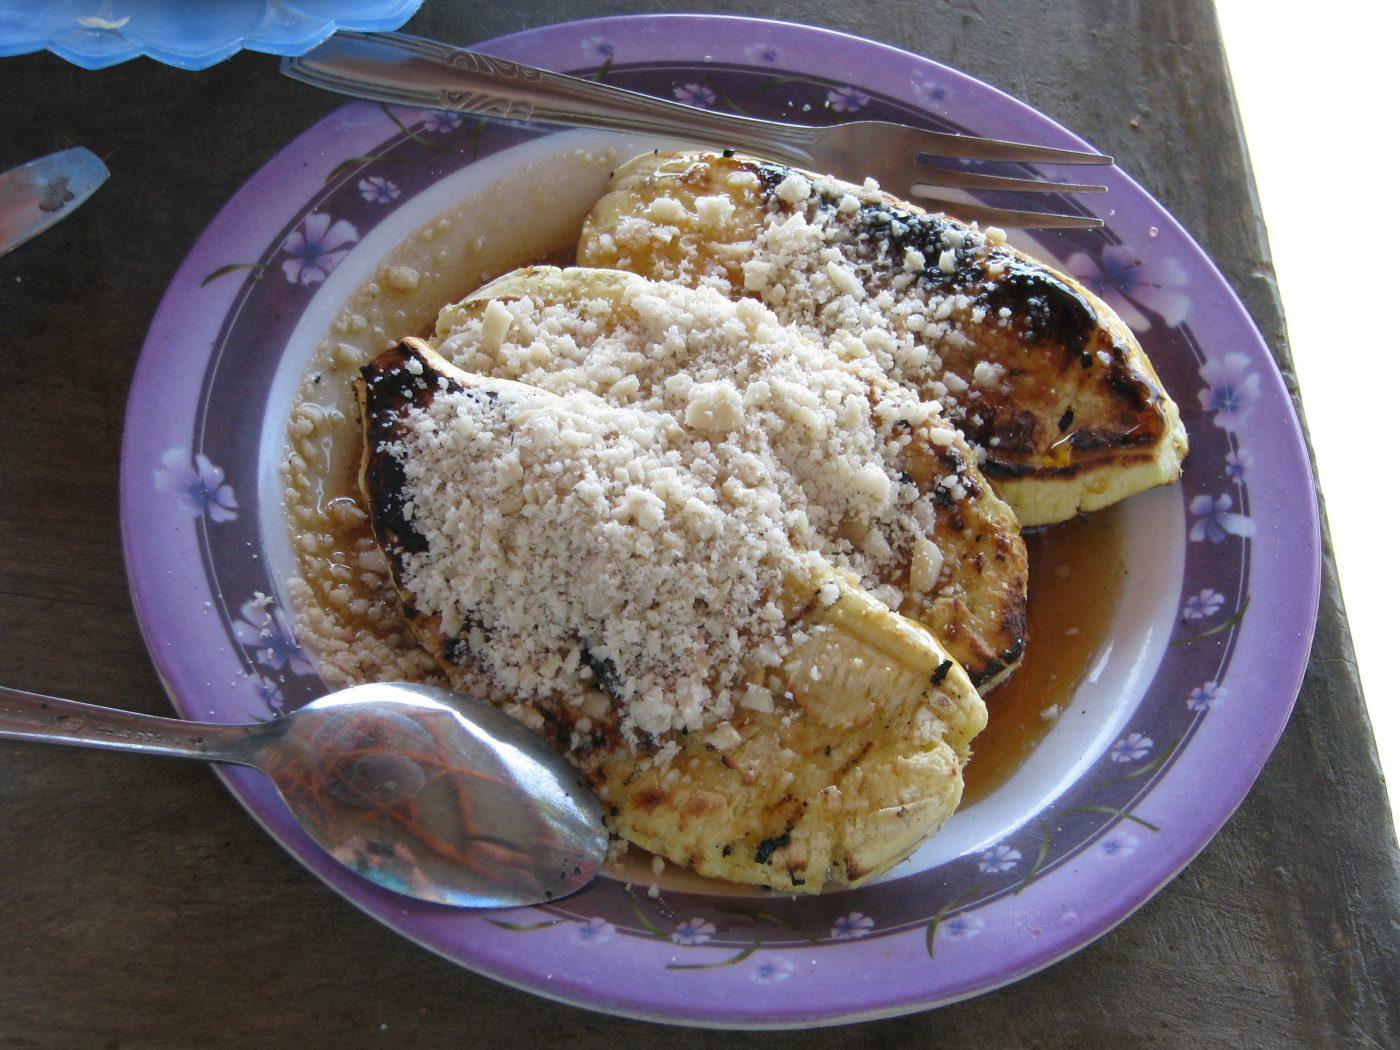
(998, 859)
(378, 190)
(1127, 281)
(271, 695)
(772, 971)
(765, 53)
(696, 95)
(851, 927)
(1203, 697)
(1117, 844)
(1231, 389)
(198, 485)
(441, 121)
(693, 931)
(316, 248)
(594, 931)
(1131, 748)
(265, 630)
(961, 927)
(847, 100)
(599, 47)
(1205, 604)
(929, 92)
(1238, 464)
(1216, 519)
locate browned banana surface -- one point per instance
(858, 760)
(1045, 380)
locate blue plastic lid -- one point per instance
(190, 34)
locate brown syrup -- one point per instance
(1075, 579)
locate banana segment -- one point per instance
(966, 582)
(1044, 378)
(841, 783)
(859, 759)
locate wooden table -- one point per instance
(139, 906)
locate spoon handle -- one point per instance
(50, 720)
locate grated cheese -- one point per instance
(816, 433)
(580, 558)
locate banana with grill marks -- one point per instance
(859, 761)
(1045, 380)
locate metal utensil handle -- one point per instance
(405, 70)
(51, 720)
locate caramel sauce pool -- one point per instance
(1076, 576)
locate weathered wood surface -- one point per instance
(139, 906)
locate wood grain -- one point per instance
(139, 906)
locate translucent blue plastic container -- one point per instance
(190, 34)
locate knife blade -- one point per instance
(36, 195)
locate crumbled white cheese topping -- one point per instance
(987, 373)
(818, 423)
(716, 408)
(794, 189)
(925, 566)
(835, 260)
(714, 211)
(657, 559)
(666, 209)
(845, 280)
(495, 324)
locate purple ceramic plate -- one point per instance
(1181, 707)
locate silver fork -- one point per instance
(398, 69)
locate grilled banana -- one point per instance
(854, 757)
(1044, 379)
(950, 557)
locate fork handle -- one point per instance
(51, 720)
(399, 69)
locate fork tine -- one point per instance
(971, 180)
(970, 147)
(1007, 217)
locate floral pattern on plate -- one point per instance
(316, 247)
(267, 632)
(1132, 283)
(197, 484)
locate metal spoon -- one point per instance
(422, 790)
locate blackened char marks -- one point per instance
(459, 649)
(1049, 309)
(604, 671)
(1124, 381)
(561, 724)
(390, 391)
(771, 175)
(1046, 308)
(890, 233)
(1006, 429)
(955, 463)
(387, 485)
(768, 847)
